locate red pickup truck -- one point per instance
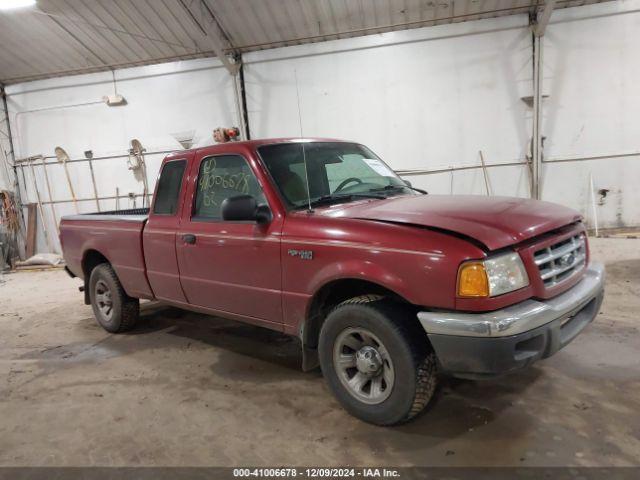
(385, 286)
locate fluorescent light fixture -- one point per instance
(14, 4)
(114, 100)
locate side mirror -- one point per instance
(244, 208)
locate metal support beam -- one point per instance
(239, 107)
(12, 155)
(207, 23)
(16, 183)
(241, 99)
(543, 21)
(539, 26)
(536, 137)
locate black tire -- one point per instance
(124, 312)
(406, 345)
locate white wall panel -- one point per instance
(431, 98)
(592, 73)
(161, 100)
(421, 99)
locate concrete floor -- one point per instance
(186, 389)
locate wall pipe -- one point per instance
(518, 163)
(593, 157)
(105, 157)
(92, 199)
(404, 173)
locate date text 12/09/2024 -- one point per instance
(365, 472)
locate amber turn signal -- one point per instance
(472, 280)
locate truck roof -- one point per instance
(252, 144)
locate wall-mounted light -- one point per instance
(15, 4)
(114, 100)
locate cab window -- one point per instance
(219, 178)
(168, 193)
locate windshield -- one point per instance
(335, 171)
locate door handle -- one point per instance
(189, 238)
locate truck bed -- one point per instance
(117, 235)
(128, 215)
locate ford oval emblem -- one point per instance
(567, 259)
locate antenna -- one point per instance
(304, 154)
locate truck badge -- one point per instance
(566, 260)
(302, 254)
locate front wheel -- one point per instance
(115, 311)
(377, 361)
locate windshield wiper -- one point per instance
(399, 187)
(329, 199)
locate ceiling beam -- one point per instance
(208, 24)
(76, 39)
(106, 67)
(541, 26)
(337, 34)
(78, 21)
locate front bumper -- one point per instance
(487, 344)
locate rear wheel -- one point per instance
(115, 311)
(377, 361)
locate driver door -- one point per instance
(229, 267)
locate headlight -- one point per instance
(494, 276)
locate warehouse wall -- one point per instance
(432, 98)
(423, 99)
(592, 73)
(162, 100)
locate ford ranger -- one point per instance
(387, 287)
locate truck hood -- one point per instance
(496, 222)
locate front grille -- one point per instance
(561, 260)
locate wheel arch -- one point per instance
(327, 297)
(90, 260)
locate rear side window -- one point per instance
(222, 177)
(168, 193)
